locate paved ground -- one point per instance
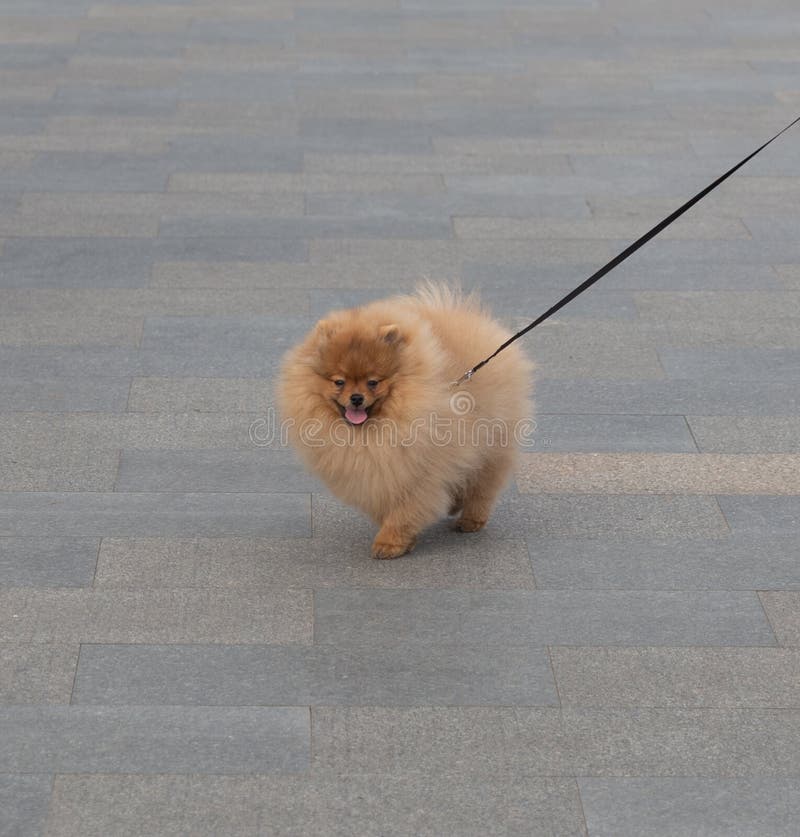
(194, 640)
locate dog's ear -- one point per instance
(325, 329)
(391, 334)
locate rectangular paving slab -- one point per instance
(391, 674)
(360, 803)
(80, 739)
(73, 514)
(24, 801)
(686, 807)
(746, 561)
(541, 617)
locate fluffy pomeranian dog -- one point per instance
(370, 407)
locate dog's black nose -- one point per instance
(356, 399)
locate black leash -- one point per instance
(618, 259)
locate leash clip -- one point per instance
(466, 377)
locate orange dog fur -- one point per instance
(369, 405)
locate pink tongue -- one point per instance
(355, 416)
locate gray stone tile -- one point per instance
(74, 262)
(131, 43)
(121, 616)
(440, 162)
(771, 226)
(84, 440)
(601, 433)
(751, 561)
(705, 276)
(541, 617)
(57, 470)
(245, 32)
(630, 807)
(781, 163)
(19, 125)
(88, 514)
(475, 741)
(677, 677)
(761, 305)
(306, 227)
(684, 742)
(604, 227)
(38, 30)
(561, 353)
(533, 299)
(192, 356)
(747, 434)
(44, 329)
(221, 153)
(8, 200)
(37, 673)
(522, 282)
(776, 515)
(603, 516)
(441, 560)
(35, 56)
(209, 247)
(335, 804)
(60, 172)
(692, 396)
(382, 136)
(665, 166)
(26, 147)
(561, 184)
(268, 336)
(752, 252)
(155, 739)
(255, 470)
(102, 303)
(114, 100)
(312, 182)
(47, 562)
(389, 276)
(537, 146)
(778, 188)
(789, 275)
(235, 87)
(323, 300)
(150, 204)
(419, 257)
(108, 395)
(24, 800)
(201, 395)
(75, 224)
(401, 205)
(393, 674)
(732, 364)
(716, 333)
(650, 209)
(782, 611)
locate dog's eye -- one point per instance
(372, 384)
(339, 382)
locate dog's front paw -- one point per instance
(469, 524)
(384, 547)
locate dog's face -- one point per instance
(357, 364)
